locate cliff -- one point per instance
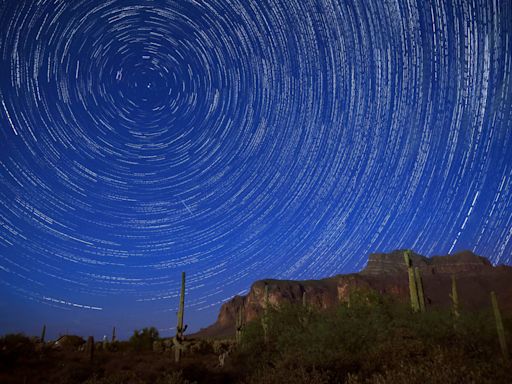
(385, 273)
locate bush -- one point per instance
(119, 378)
(288, 376)
(441, 366)
(143, 340)
(375, 339)
(174, 378)
(13, 347)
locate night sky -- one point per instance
(240, 140)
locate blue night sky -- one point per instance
(240, 140)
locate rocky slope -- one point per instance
(384, 273)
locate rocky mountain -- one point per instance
(385, 273)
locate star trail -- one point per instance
(239, 140)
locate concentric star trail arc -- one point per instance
(238, 140)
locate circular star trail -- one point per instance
(238, 140)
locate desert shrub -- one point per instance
(221, 345)
(13, 347)
(143, 340)
(441, 366)
(74, 372)
(201, 347)
(281, 375)
(117, 378)
(375, 337)
(175, 377)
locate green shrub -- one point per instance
(143, 340)
(440, 366)
(375, 338)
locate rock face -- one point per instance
(392, 263)
(385, 273)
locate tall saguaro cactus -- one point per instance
(239, 324)
(113, 334)
(304, 318)
(264, 319)
(499, 327)
(455, 299)
(90, 348)
(413, 290)
(43, 333)
(180, 328)
(419, 287)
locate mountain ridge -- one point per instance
(385, 273)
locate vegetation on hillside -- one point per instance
(372, 340)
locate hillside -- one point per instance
(385, 273)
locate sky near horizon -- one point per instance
(240, 140)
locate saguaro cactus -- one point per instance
(499, 327)
(90, 348)
(239, 324)
(413, 290)
(180, 329)
(113, 334)
(43, 333)
(304, 318)
(455, 299)
(419, 287)
(264, 319)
